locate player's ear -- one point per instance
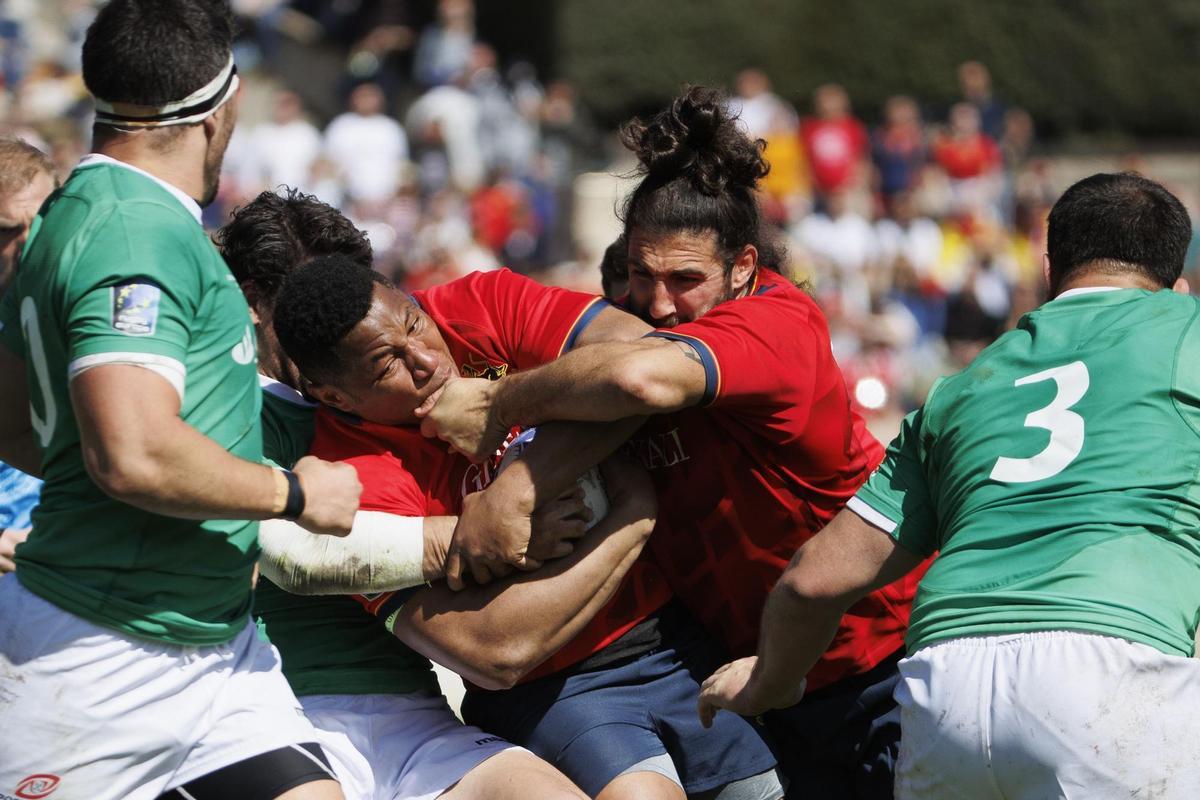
(1046, 268)
(744, 266)
(1182, 286)
(326, 394)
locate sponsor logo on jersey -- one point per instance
(244, 351)
(37, 786)
(135, 308)
(482, 368)
(658, 450)
(488, 740)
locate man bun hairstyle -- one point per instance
(1118, 223)
(153, 52)
(700, 173)
(274, 233)
(319, 304)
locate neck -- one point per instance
(1121, 281)
(182, 166)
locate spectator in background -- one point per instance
(367, 146)
(26, 180)
(282, 151)
(976, 84)
(444, 127)
(908, 235)
(761, 111)
(898, 147)
(507, 138)
(971, 159)
(835, 143)
(764, 115)
(444, 48)
(843, 246)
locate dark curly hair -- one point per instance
(319, 303)
(269, 237)
(700, 172)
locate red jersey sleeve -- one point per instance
(532, 323)
(760, 349)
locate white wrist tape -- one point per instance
(383, 552)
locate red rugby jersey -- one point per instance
(492, 322)
(771, 455)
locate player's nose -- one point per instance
(662, 305)
(422, 362)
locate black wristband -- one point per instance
(294, 506)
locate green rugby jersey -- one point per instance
(1058, 476)
(329, 644)
(118, 269)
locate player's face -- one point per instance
(16, 212)
(394, 359)
(677, 278)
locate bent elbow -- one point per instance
(125, 479)
(649, 391)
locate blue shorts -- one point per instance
(594, 725)
(841, 742)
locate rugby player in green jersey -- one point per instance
(372, 698)
(1056, 477)
(129, 664)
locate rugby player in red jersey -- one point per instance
(615, 707)
(754, 446)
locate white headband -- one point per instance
(198, 105)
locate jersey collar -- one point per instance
(283, 392)
(1088, 290)
(93, 159)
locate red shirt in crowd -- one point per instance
(769, 457)
(966, 157)
(834, 147)
(492, 323)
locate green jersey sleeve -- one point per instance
(896, 497)
(138, 300)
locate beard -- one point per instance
(642, 310)
(214, 157)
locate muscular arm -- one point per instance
(599, 383)
(493, 635)
(496, 527)
(17, 444)
(383, 552)
(845, 561)
(139, 451)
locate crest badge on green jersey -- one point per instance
(135, 308)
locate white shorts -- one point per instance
(113, 716)
(385, 747)
(1047, 715)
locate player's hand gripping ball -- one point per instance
(595, 497)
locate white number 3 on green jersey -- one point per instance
(1065, 426)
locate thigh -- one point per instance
(253, 710)
(731, 750)
(83, 706)
(593, 726)
(400, 746)
(514, 775)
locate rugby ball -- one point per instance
(595, 497)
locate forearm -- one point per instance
(383, 552)
(494, 634)
(561, 453)
(796, 631)
(598, 383)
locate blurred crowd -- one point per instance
(921, 235)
